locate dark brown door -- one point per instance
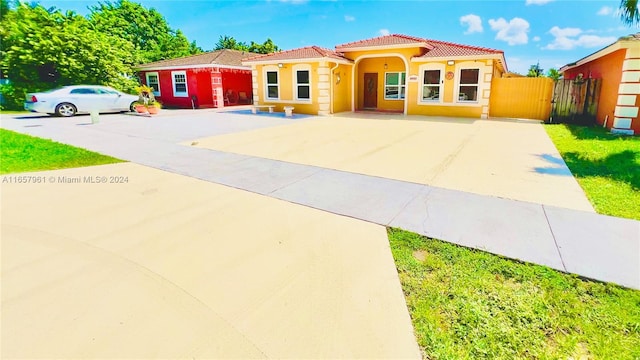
(370, 90)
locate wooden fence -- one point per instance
(576, 101)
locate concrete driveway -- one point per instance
(167, 266)
(507, 159)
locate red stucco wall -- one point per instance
(237, 81)
(609, 69)
(199, 83)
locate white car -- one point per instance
(70, 100)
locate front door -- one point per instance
(370, 90)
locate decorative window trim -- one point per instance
(400, 86)
(173, 84)
(458, 72)
(421, 85)
(265, 71)
(294, 70)
(153, 73)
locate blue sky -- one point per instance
(553, 32)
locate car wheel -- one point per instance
(132, 107)
(65, 109)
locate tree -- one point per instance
(554, 74)
(535, 71)
(45, 48)
(229, 42)
(629, 13)
(4, 8)
(145, 28)
(267, 47)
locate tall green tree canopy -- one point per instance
(145, 28)
(46, 48)
(229, 42)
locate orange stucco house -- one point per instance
(618, 65)
(394, 73)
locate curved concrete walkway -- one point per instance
(591, 245)
(168, 266)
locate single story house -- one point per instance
(211, 79)
(618, 65)
(395, 73)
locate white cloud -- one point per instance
(537, 2)
(566, 32)
(536, 38)
(384, 32)
(513, 32)
(473, 23)
(605, 10)
(567, 39)
(349, 18)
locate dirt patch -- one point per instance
(420, 255)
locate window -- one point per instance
(303, 88)
(153, 82)
(432, 85)
(468, 89)
(179, 83)
(83, 91)
(394, 85)
(272, 85)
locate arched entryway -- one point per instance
(380, 83)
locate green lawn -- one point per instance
(606, 166)
(21, 153)
(13, 112)
(469, 304)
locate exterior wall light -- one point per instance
(280, 65)
(450, 62)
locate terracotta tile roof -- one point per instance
(446, 49)
(219, 57)
(387, 40)
(309, 52)
(434, 48)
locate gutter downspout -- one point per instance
(331, 88)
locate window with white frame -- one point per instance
(468, 86)
(153, 82)
(273, 87)
(431, 85)
(303, 85)
(179, 83)
(394, 85)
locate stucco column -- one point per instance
(626, 112)
(485, 83)
(324, 99)
(216, 88)
(254, 84)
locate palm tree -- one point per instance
(629, 12)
